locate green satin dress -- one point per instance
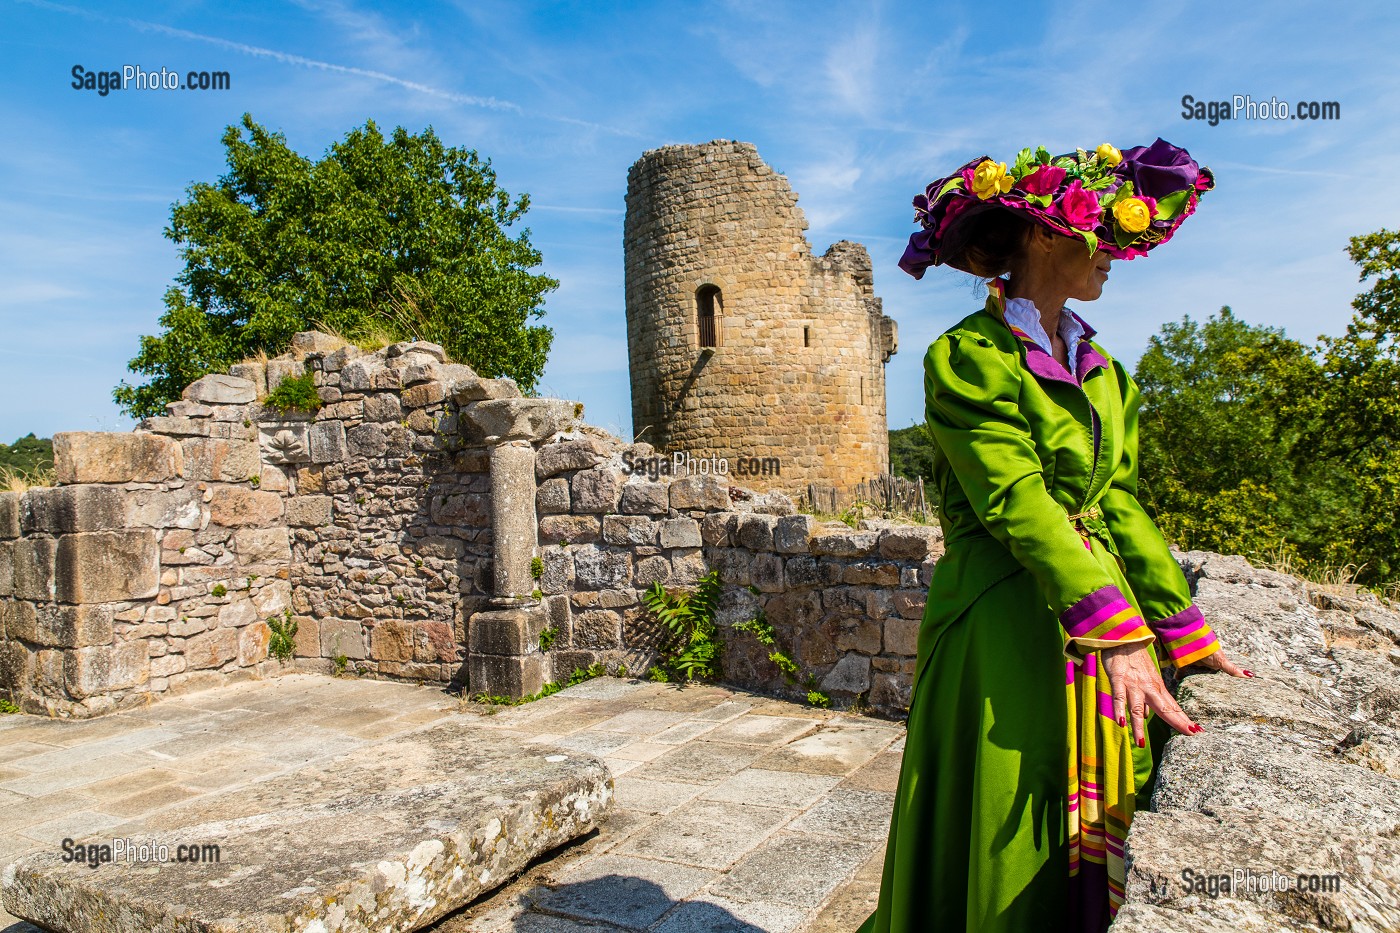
(1018, 785)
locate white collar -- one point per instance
(1023, 313)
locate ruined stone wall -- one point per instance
(845, 604)
(160, 557)
(798, 371)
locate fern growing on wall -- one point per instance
(691, 649)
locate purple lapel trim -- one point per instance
(1037, 360)
(1087, 358)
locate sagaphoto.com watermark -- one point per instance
(134, 77)
(1245, 107)
(138, 852)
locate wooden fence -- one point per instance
(886, 491)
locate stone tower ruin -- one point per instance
(743, 345)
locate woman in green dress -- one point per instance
(1037, 680)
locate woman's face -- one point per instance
(1066, 265)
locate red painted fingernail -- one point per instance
(1195, 728)
(1247, 673)
(1122, 721)
(1142, 743)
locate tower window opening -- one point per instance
(709, 303)
(806, 336)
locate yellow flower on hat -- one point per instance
(1132, 214)
(1108, 155)
(990, 179)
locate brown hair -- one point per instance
(985, 243)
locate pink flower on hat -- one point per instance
(1044, 180)
(1077, 207)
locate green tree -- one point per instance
(1217, 466)
(1352, 419)
(403, 236)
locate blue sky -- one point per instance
(859, 104)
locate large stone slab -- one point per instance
(392, 836)
(98, 457)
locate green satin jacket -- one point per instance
(1038, 470)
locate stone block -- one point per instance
(237, 507)
(529, 419)
(755, 532)
(7, 569)
(717, 528)
(370, 841)
(792, 533)
(598, 568)
(309, 511)
(552, 459)
(680, 532)
(498, 675)
(58, 626)
(391, 640)
(279, 370)
(343, 638)
(597, 629)
(366, 440)
(424, 394)
(262, 546)
(914, 542)
(9, 515)
(214, 460)
(383, 406)
(629, 529)
(328, 444)
(211, 649)
(552, 496)
(506, 631)
(574, 529)
(157, 508)
(16, 667)
(216, 389)
(93, 671)
(902, 637)
(640, 497)
(767, 572)
(594, 491)
(105, 566)
(98, 457)
(58, 510)
(706, 493)
(253, 641)
(844, 543)
(434, 642)
(255, 373)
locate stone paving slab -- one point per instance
(393, 837)
(790, 763)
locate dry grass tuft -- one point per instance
(12, 480)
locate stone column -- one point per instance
(504, 658)
(513, 521)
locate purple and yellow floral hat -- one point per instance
(1123, 203)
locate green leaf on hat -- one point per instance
(951, 185)
(1103, 181)
(1042, 155)
(1039, 200)
(1171, 205)
(1023, 161)
(1123, 237)
(1090, 238)
(1125, 190)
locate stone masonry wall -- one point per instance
(798, 373)
(158, 559)
(844, 604)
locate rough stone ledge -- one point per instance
(392, 836)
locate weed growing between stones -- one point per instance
(6, 707)
(692, 648)
(339, 662)
(760, 629)
(219, 591)
(547, 638)
(579, 675)
(294, 393)
(284, 630)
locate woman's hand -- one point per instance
(1217, 661)
(1137, 686)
